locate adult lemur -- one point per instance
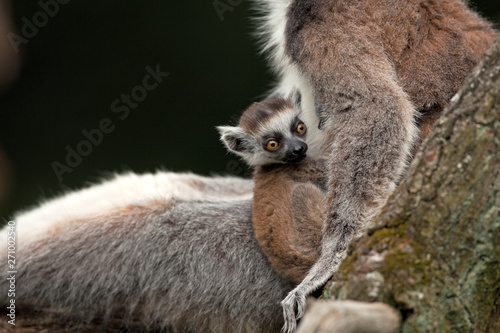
(167, 251)
(287, 209)
(371, 70)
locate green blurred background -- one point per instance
(92, 52)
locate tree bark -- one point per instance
(434, 251)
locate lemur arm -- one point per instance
(369, 129)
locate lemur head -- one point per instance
(269, 132)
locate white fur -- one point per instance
(259, 159)
(291, 79)
(121, 191)
(271, 31)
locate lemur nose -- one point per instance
(300, 150)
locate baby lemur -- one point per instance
(287, 210)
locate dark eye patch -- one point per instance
(295, 123)
(272, 136)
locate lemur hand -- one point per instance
(294, 306)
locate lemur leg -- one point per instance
(369, 146)
(349, 317)
(369, 130)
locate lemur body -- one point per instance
(289, 188)
(371, 71)
(179, 254)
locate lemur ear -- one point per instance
(234, 138)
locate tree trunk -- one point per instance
(434, 252)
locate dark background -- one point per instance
(93, 51)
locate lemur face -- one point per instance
(269, 132)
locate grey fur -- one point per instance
(180, 265)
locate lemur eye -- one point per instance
(301, 128)
(272, 144)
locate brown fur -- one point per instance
(257, 114)
(287, 215)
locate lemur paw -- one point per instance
(294, 306)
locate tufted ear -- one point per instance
(235, 139)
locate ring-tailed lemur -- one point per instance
(289, 188)
(371, 71)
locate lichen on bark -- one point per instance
(433, 252)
